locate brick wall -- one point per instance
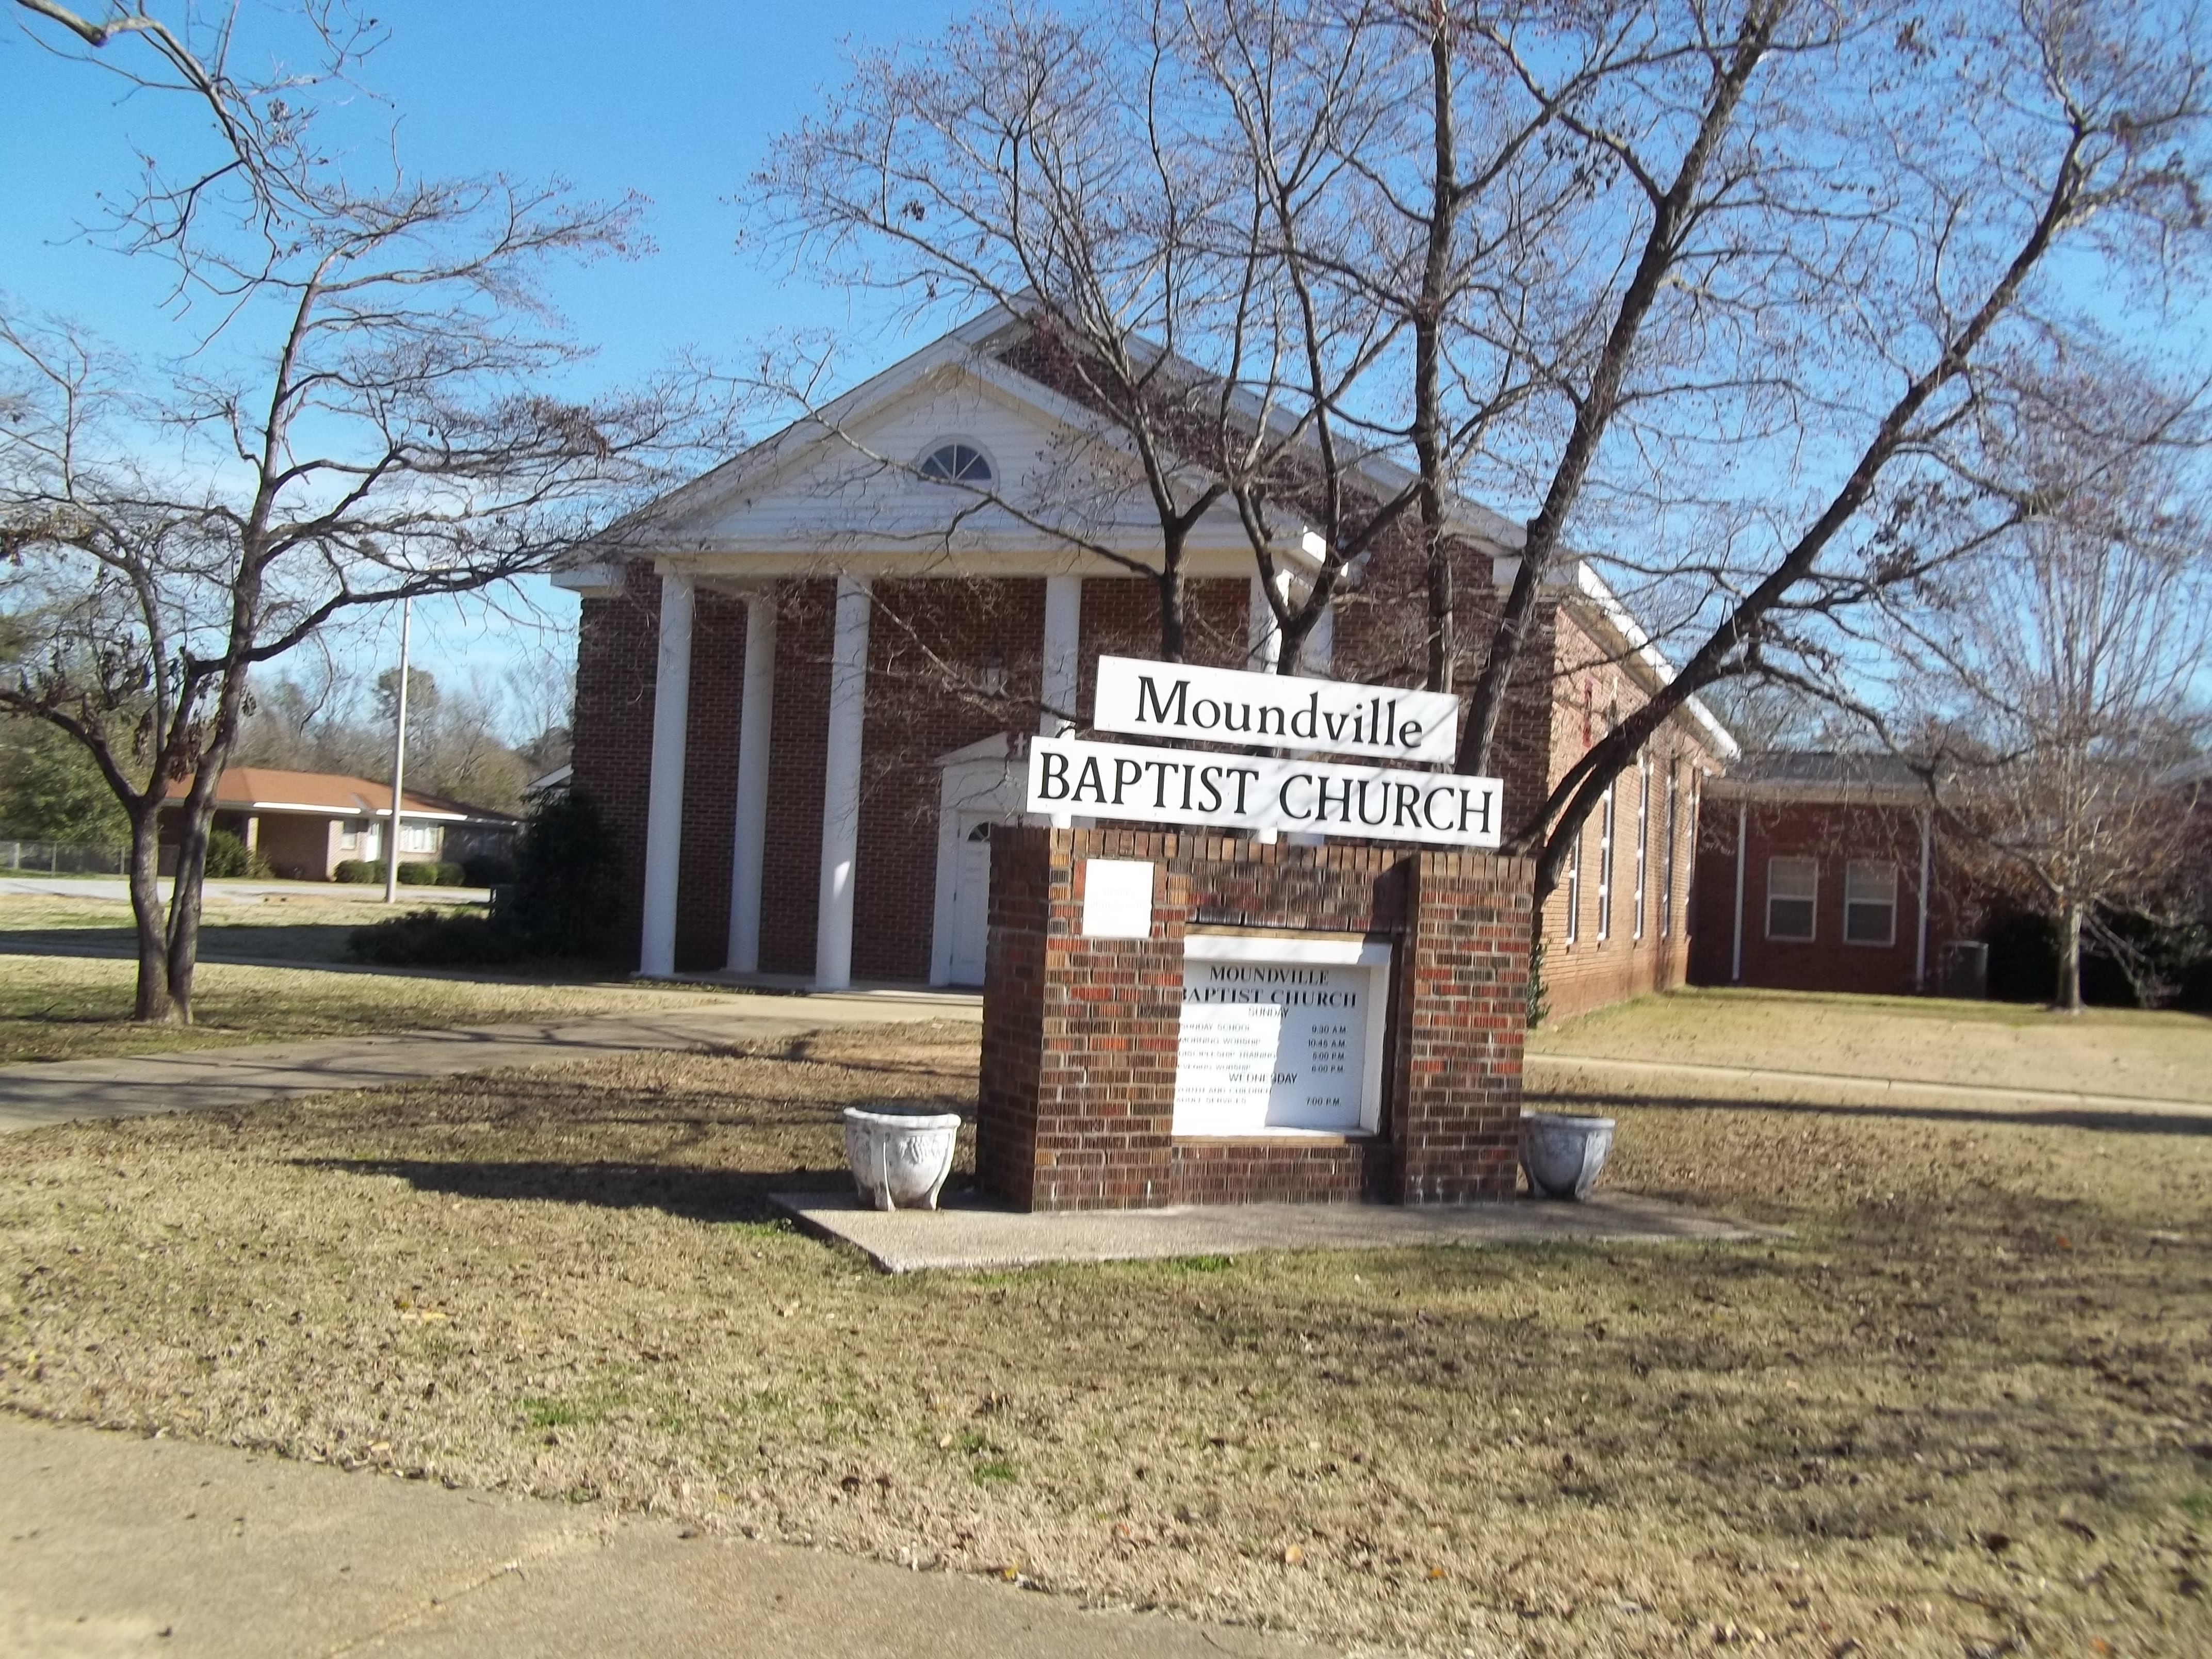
(1832, 834)
(613, 754)
(949, 663)
(1080, 1034)
(1641, 947)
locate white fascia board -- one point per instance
(1574, 579)
(590, 581)
(363, 810)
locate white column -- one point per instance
(1063, 623)
(1062, 664)
(840, 788)
(664, 811)
(749, 841)
(1263, 642)
(1317, 656)
(1742, 852)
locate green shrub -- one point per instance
(560, 904)
(1540, 995)
(360, 871)
(229, 857)
(424, 874)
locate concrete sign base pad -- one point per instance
(973, 1232)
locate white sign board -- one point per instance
(1259, 792)
(1274, 711)
(1117, 898)
(1280, 1036)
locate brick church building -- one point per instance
(805, 698)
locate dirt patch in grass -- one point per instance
(75, 1007)
(1967, 1408)
(2117, 1051)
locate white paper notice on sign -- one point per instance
(1259, 792)
(1274, 711)
(1280, 1036)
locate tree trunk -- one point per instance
(2068, 999)
(184, 931)
(153, 1003)
(1442, 665)
(1173, 642)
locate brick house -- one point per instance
(1820, 872)
(804, 700)
(306, 824)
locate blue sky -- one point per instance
(674, 101)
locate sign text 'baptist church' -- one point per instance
(1266, 792)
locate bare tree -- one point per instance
(1727, 291)
(2056, 681)
(1816, 243)
(381, 409)
(1029, 161)
(258, 119)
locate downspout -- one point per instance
(1742, 831)
(1927, 861)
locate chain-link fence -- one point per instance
(52, 858)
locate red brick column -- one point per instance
(1080, 1035)
(1460, 1018)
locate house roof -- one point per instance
(271, 789)
(1823, 775)
(975, 355)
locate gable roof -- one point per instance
(271, 789)
(975, 354)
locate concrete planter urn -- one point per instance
(1563, 1153)
(900, 1159)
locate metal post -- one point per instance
(398, 761)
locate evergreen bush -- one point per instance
(560, 906)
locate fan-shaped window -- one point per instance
(957, 463)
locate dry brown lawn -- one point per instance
(65, 1007)
(1965, 1409)
(2114, 1051)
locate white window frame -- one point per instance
(1574, 888)
(1667, 859)
(1643, 839)
(1605, 865)
(416, 836)
(976, 454)
(1811, 900)
(1851, 869)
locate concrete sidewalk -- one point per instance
(115, 1543)
(34, 1096)
(973, 1232)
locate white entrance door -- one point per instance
(971, 901)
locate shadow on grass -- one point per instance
(690, 1193)
(2115, 1121)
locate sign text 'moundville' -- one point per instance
(1260, 792)
(1274, 711)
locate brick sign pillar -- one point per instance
(1080, 1033)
